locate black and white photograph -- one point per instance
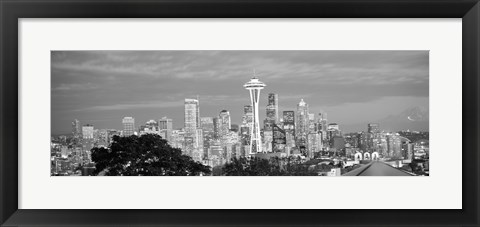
(239, 113)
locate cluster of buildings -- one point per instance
(214, 140)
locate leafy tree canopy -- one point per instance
(267, 167)
(147, 155)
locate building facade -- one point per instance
(128, 126)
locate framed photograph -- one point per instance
(236, 113)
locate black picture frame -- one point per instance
(12, 10)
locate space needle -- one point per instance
(254, 86)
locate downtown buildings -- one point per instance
(214, 140)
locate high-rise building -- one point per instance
(165, 126)
(199, 121)
(254, 86)
(302, 123)
(246, 127)
(247, 118)
(191, 115)
(322, 125)
(208, 128)
(289, 127)
(225, 123)
(333, 129)
(198, 152)
(193, 134)
(271, 112)
(373, 128)
(394, 145)
(289, 121)
(311, 123)
(279, 140)
(76, 128)
(216, 127)
(87, 131)
(128, 126)
(207, 124)
(314, 143)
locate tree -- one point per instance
(147, 155)
(275, 166)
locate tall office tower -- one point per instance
(394, 144)
(289, 121)
(191, 112)
(322, 125)
(165, 126)
(198, 152)
(301, 123)
(373, 128)
(208, 128)
(207, 124)
(199, 120)
(279, 140)
(311, 122)
(216, 127)
(87, 131)
(267, 140)
(247, 118)
(254, 86)
(224, 123)
(245, 135)
(76, 130)
(314, 143)
(333, 130)
(128, 126)
(272, 112)
(289, 127)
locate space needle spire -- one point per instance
(254, 86)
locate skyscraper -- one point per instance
(289, 121)
(128, 126)
(87, 131)
(373, 128)
(216, 127)
(191, 118)
(322, 124)
(193, 134)
(165, 126)
(246, 128)
(224, 122)
(289, 127)
(247, 118)
(301, 123)
(207, 124)
(271, 112)
(76, 130)
(254, 86)
(208, 128)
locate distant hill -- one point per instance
(414, 119)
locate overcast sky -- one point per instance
(353, 87)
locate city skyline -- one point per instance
(296, 131)
(79, 75)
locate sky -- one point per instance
(353, 87)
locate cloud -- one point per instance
(132, 106)
(156, 82)
(73, 87)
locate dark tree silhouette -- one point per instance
(266, 167)
(147, 155)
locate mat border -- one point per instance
(12, 10)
